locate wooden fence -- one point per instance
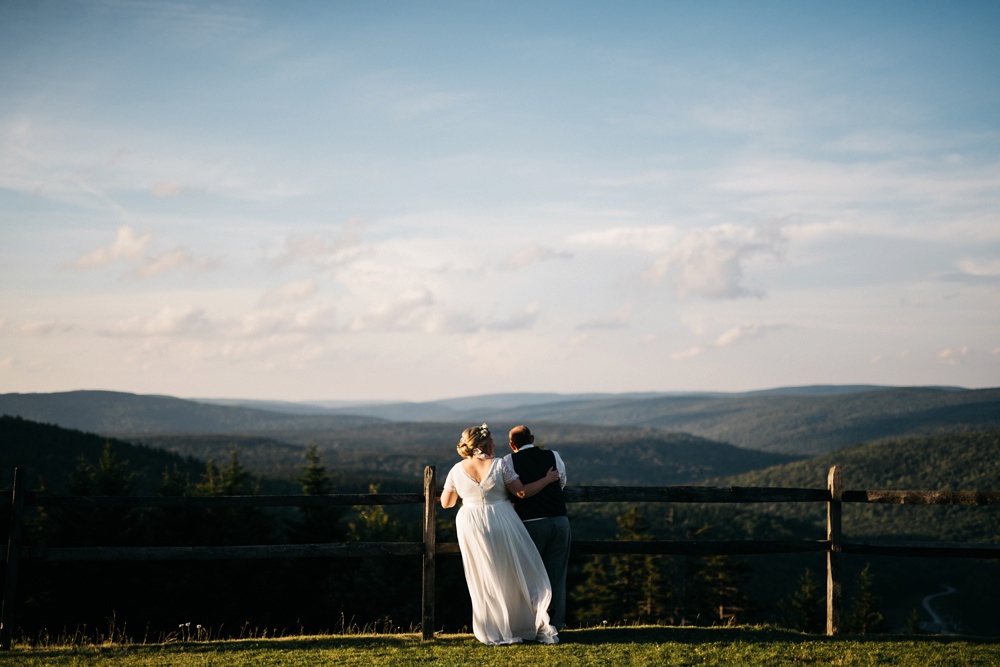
(833, 545)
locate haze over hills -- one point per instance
(398, 453)
(790, 422)
(797, 421)
(967, 461)
(959, 451)
(120, 413)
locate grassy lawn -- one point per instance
(611, 646)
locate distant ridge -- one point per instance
(467, 407)
(121, 414)
(796, 421)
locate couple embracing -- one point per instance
(515, 556)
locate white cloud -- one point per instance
(650, 239)
(709, 263)
(706, 263)
(525, 319)
(168, 261)
(44, 328)
(733, 336)
(744, 332)
(531, 254)
(131, 248)
(301, 290)
(980, 267)
(689, 353)
(125, 246)
(951, 357)
(617, 320)
(169, 321)
(318, 250)
(167, 189)
(409, 312)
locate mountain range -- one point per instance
(795, 421)
(919, 438)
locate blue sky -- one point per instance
(422, 200)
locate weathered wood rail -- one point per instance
(833, 546)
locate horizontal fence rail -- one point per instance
(693, 494)
(833, 546)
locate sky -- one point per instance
(346, 200)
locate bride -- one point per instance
(508, 585)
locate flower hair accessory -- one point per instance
(483, 436)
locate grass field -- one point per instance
(612, 646)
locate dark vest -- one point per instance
(530, 465)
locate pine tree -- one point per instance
(625, 587)
(232, 525)
(316, 524)
(397, 580)
(713, 588)
(83, 592)
(99, 526)
(319, 586)
(864, 617)
(804, 608)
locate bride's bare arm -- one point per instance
(448, 498)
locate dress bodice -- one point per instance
(492, 489)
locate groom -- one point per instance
(544, 514)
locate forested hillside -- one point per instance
(792, 421)
(395, 454)
(47, 455)
(956, 462)
(121, 414)
(788, 423)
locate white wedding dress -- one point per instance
(507, 581)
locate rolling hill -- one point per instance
(804, 424)
(123, 414)
(391, 453)
(967, 461)
(797, 421)
(46, 455)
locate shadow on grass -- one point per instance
(590, 636)
(749, 635)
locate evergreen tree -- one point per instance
(396, 579)
(98, 526)
(232, 525)
(864, 617)
(83, 592)
(804, 609)
(316, 524)
(176, 525)
(319, 586)
(624, 587)
(373, 523)
(713, 588)
(249, 593)
(913, 625)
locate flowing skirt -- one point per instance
(508, 585)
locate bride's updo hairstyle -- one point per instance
(476, 440)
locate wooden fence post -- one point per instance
(833, 534)
(13, 551)
(430, 552)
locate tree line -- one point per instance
(156, 600)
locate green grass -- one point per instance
(631, 646)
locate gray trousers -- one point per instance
(552, 537)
